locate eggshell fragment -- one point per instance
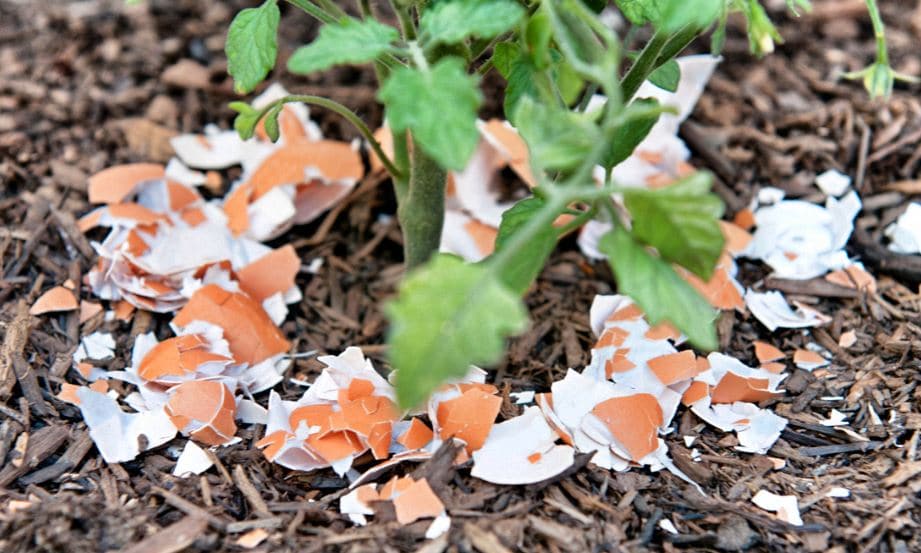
(766, 353)
(633, 421)
(56, 299)
(112, 185)
(732, 388)
(469, 417)
(417, 435)
(272, 273)
(674, 367)
(252, 336)
(204, 409)
(521, 450)
(809, 360)
(784, 505)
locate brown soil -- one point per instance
(86, 85)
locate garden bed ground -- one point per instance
(86, 85)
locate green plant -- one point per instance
(554, 55)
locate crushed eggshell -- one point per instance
(54, 300)
(521, 450)
(193, 460)
(785, 506)
(905, 233)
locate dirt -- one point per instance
(85, 85)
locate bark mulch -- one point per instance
(84, 85)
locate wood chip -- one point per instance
(171, 539)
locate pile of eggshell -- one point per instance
(170, 250)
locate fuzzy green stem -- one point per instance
(422, 209)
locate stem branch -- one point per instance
(348, 115)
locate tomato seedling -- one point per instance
(555, 55)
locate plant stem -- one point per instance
(422, 209)
(879, 33)
(644, 65)
(313, 10)
(406, 22)
(348, 115)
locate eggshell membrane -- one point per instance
(468, 417)
(634, 422)
(272, 273)
(674, 367)
(55, 299)
(417, 435)
(250, 333)
(208, 402)
(114, 184)
(732, 388)
(766, 353)
(176, 357)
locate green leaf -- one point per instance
(666, 76)
(271, 122)
(681, 221)
(663, 295)
(698, 14)
(558, 139)
(591, 48)
(448, 315)
(639, 12)
(251, 45)
(245, 121)
(439, 106)
(631, 133)
(537, 37)
(529, 261)
(504, 55)
(521, 76)
(349, 41)
(453, 21)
